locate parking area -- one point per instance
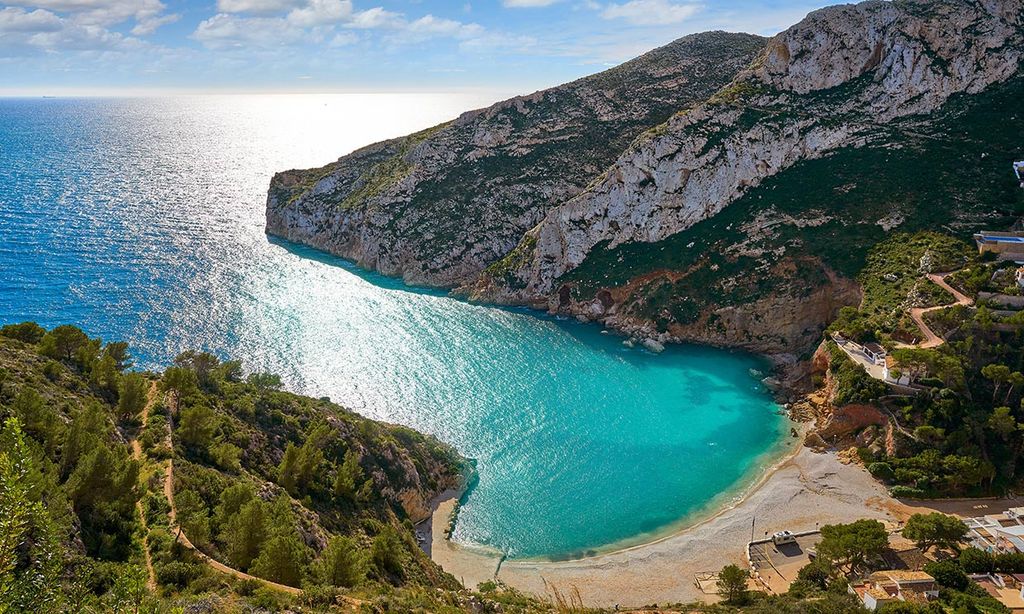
(778, 565)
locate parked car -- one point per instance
(783, 537)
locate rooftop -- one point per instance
(1015, 530)
(906, 575)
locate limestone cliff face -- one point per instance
(439, 206)
(833, 81)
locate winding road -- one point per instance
(931, 340)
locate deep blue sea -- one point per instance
(142, 220)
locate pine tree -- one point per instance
(88, 430)
(732, 584)
(281, 560)
(197, 426)
(386, 552)
(132, 394)
(342, 563)
(288, 470)
(246, 534)
(231, 501)
(348, 476)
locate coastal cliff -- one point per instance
(740, 220)
(438, 206)
(874, 77)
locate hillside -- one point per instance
(438, 206)
(200, 490)
(289, 489)
(741, 220)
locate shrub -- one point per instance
(385, 552)
(973, 560)
(881, 471)
(907, 492)
(26, 332)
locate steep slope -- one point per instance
(243, 453)
(438, 206)
(658, 243)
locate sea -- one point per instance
(142, 220)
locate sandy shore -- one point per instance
(806, 490)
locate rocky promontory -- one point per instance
(722, 189)
(438, 206)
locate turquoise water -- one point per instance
(142, 220)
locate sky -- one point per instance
(139, 46)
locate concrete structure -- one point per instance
(1006, 245)
(884, 587)
(997, 533)
(875, 352)
(894, 375)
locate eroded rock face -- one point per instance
(437, 207)
(832, 81)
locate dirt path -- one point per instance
(931, 340)
(181, 537)
(137, 455)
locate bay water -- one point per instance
(142, 220)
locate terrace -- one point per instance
(1006, 245)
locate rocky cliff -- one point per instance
(741, 219)
(438, 206)
(871, 76)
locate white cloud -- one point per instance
(147, 26)
(495, 41)
(25, 32)
(226, 31)
(343, 39)
(261, 7)
(377, 18)
(520, 4)
(318, 21)
(321, 12)
(430, 26)
(651, 12)
(15, 20)
(148, 14)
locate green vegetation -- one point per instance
(515, 259)
(72, 497)
(950, 171)
(961, 433)
(851, 383)
(857, 547)
(732, 584)
(893, 281)
(389, 172)
(852, 546)
(935, 530)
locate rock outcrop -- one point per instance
(834, 80)
(563, 201)
(438, 206)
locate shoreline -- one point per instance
(761, 471)
(800, 491)
(782, 450)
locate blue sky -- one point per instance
(100, 46)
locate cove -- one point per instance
(142, 220)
